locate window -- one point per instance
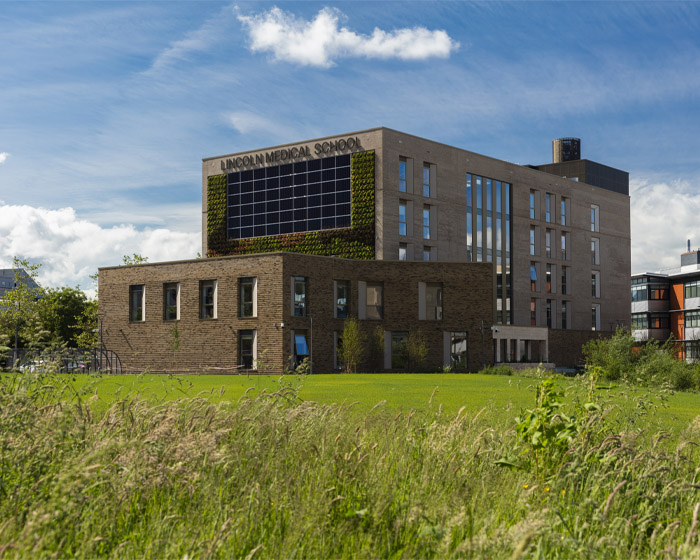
(692, 289)
(403, 248)
(548, 278)
(595, 251)
(375, 301)
(402, 217)
(426, 253)
(595, 284)
(247, 349)
(562, 211)
(533, 214)
(403, 181)
(550, 313)
(426, 179)
(301, 347)
(595, 317)
(207, 299)
(433, 302)
(548, 243)
(338, 351)
(137, 310)
(564, 280)
(458, 350)
(533, 312)
(533, 240)
(548, 203)
(247, 288)
(399, 350)
(171, 301)
(533, 278)
(470, 218)
(692, 350)
(564, 244)
(564, 318)
(648, 291)
(300, 301)
(639, 321)
(692, 319)
(595, 218)
(342, 299)
(426, 222)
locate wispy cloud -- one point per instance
(320, 41)
(71, 248)
(247, 122)
(3, 156)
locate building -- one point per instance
(558, 247)
(7, 280)
(667, 304)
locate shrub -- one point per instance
(497, 370)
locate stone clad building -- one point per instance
(555, 238)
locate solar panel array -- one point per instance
(290, 198)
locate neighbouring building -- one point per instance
(7, 280)
(667, 304)
(555, 237)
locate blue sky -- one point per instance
(106, 108)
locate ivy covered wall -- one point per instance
(355, 242)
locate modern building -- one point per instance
(667, 304)
(7, 280)
(556, 239)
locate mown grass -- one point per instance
(276, 474)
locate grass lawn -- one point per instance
(503, 397)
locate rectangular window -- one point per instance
(470, 218)
(246, 296)
(533, 215)
(533, 278)
(300, 301)
(692, 289)
(433, 302)
(564, 280)
(550, 313)
(548, 243)
(301, 346)
(549, 278)
(595, 218)
(399, 350)
(375, 301)
(137, 310)
(692, 350)
(533, 312)
(564, 254)
(402, 217)
(564, 317)
(426, 179)
(548, 202)
(692, 319)
(426, 222)
(533, 240)
(595, 251)
(171, 301)
(479, 220)
(458, 350)
(595, 317)
(403, 181)
(562, 211)
(246, 348)
(207, 299)
(403, 249)
(338, 351)
(426, 253)
(595, 284)
(342, 299)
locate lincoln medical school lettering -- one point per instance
(295, 197)
(275, 156)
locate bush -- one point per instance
(497, 370)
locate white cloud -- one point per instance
(70, 249)
(320, 41)
(3, 156)
(246, 122)
(664, 216)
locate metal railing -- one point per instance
(63, 360)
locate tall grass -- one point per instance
(274, 477)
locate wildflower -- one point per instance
(563, 492)
(546, 489)
(525, 486)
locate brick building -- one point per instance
(556, 237)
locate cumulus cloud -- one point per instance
(664, 216)
(320, 41)
(70, 249)
(3, 156)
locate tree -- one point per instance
(352, 346)
(19, 305)
(61, 311)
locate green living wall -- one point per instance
(355, 242)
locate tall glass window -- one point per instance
(533, 277)
(548, 243)
(533, 312)
(595, 218)
(403, 250)
(549, 313)
(300, 301)
(533, 240)
(402, 218)
(342, 299)
(489, 220)
(207, 299)
(375, 301)
(564, 274)
(136, 303)
(433, 302)
(479, 221)
(171, 302)
(564, 254)
(549, 278)
(548, 206)
(402, 174)
(426, 222)
(564, 318)
(562, 211)
(469, 218)
(246, 296)
(426, 179)
(458, 350)
(246, 348)
(595, 251)
(532, 205)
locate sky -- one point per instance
(107, 108)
